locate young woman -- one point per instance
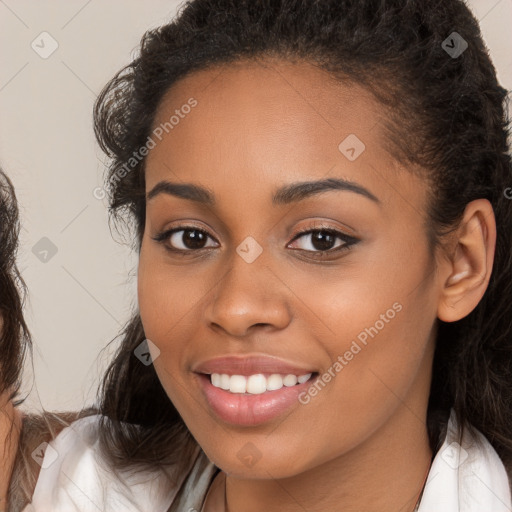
(318, 190)
(14, 335)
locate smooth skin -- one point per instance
(361, 443)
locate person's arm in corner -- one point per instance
(10, 425)
(35, 429)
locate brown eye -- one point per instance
(323, 240)
(190, 238)
(185, 239)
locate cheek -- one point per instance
(171, 300)
(386, 335)
(169, 296)
(374, 322)
(161, 305)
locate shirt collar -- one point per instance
(466, 475)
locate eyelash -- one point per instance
(164, 236)
(349, 240)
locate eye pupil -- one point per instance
(193, 238)
(323, 240)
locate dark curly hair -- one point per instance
(445, 114)
(14, 334)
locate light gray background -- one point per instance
(81, 296)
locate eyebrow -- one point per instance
(286, 194)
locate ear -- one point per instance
(465, 273)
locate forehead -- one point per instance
(270, 122)
(273, 102)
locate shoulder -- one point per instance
(467, 473)
(35, 431)
(76, 476)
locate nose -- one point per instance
(248, 297)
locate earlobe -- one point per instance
(465, 276)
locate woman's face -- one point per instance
(360, 315)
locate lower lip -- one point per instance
(248, 410)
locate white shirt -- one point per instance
(75, 478)
(469, 477)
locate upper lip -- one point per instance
(250, 365)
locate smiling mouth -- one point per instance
(272, 394)
(252, 389)
(257, 383)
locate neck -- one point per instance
(385, 474)
(10, 424)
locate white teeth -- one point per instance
(237, 384)
(274, 382)
(256, 384)
(216, 378)
(290, 380)
(224, 382)
(304, 378)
